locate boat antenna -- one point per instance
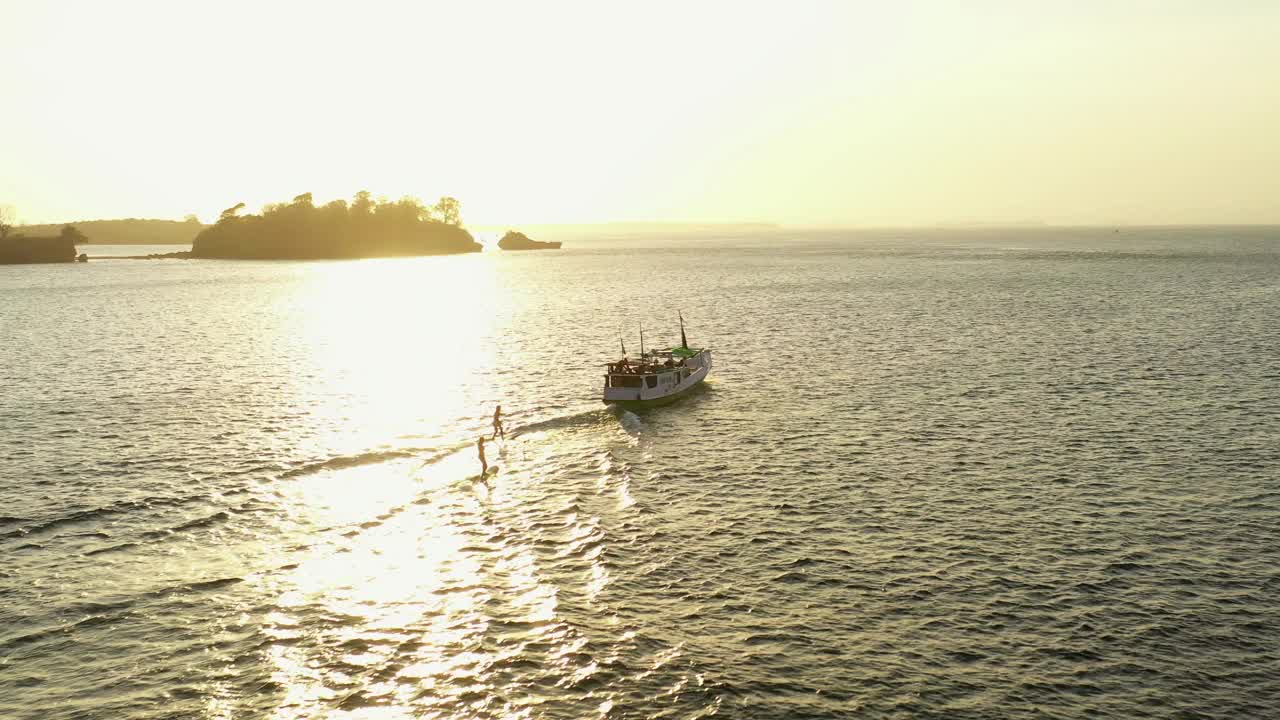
(684, 343)
(641, 339)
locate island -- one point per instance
(519, 241)
(18, 248)
(365, 227)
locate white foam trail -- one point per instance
(631, 422)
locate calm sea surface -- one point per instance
(969, 474)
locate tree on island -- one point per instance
(449, 210)
(364, 228)
(230, 212)
(6, 221)
(69, 232)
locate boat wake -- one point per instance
(585, 417)
(630, 422)
(372, 457)
(595, 416)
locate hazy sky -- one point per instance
(858, 113)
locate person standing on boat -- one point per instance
(497, 424)
(484, 466)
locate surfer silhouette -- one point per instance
(484, 465)
(497, 424)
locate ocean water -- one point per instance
(949, 474)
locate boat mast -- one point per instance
(641, 340)
(684, 343)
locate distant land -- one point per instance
(131, 231)
(989, 224)
(638, 226)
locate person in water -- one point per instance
(497, 424)
(484, 466)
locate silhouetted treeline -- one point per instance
(130, 231)
(362, 228)
(17, 247)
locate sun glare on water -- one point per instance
(409, 598)
(397, 336)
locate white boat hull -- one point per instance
(661, 386)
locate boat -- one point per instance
(658, 377)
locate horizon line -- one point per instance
(767, 224)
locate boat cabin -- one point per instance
(657, 372)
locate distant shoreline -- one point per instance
(125, 231)
(87, 226)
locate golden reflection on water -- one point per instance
(397, 340)
(404, 599)
(408, 583)
(391, 582)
